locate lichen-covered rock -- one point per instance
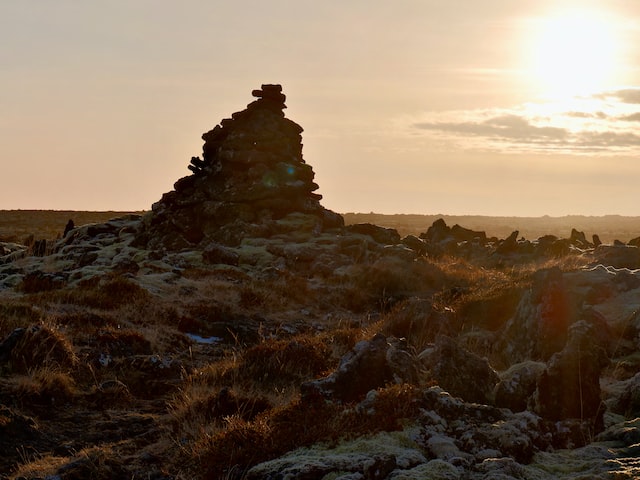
(462, 373)
(628, 402)
(517, 385)
(374, 458)
(385, 236)
(216, 254)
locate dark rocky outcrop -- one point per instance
(509, 244)
(538, 328)
(68, 227)
(251, 174)
(570, 385)
(15, 429)
(462, 373)
(618, 256)
(628, 403)
(371, 364)
(442, 239)
(8, 344)
(439, 231)
(517, 385)
(385, 236)
(219, 254)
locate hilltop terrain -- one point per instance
(239, 329)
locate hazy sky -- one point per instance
(491, 107)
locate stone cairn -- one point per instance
(250, 182)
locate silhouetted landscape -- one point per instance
(238, 329)
(18, 225)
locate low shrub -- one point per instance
(42, 346)
(286, 361)
(419, 321)
(123, 342)
(388, 280)
(44, 387)
(35, 282)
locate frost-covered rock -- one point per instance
(375, 457)
(434, 470)
(628, 403)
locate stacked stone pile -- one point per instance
(251, 181)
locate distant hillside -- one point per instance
(17, 225)
(608, 227)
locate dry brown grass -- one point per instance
(238, 403)
(242, 444)
(17, 314)
(45, 386)
(234, 392)
(37, 467)
(380, 285)
(98, 463)
(105, 292)
(43, 345)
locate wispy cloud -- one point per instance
(599, 124)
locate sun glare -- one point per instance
(573, 53)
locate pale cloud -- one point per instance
(627, 95)
(507, 127)
(634, 117)
(599, 124)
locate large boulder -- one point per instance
(370, 365)
(385, 236)
(618, 256)
(463, 373)
(517, 385)
(440, 239)
(628, 402)
(570, 385)
(538, 328)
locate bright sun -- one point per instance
(573, 53)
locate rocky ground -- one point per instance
(240, 330)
